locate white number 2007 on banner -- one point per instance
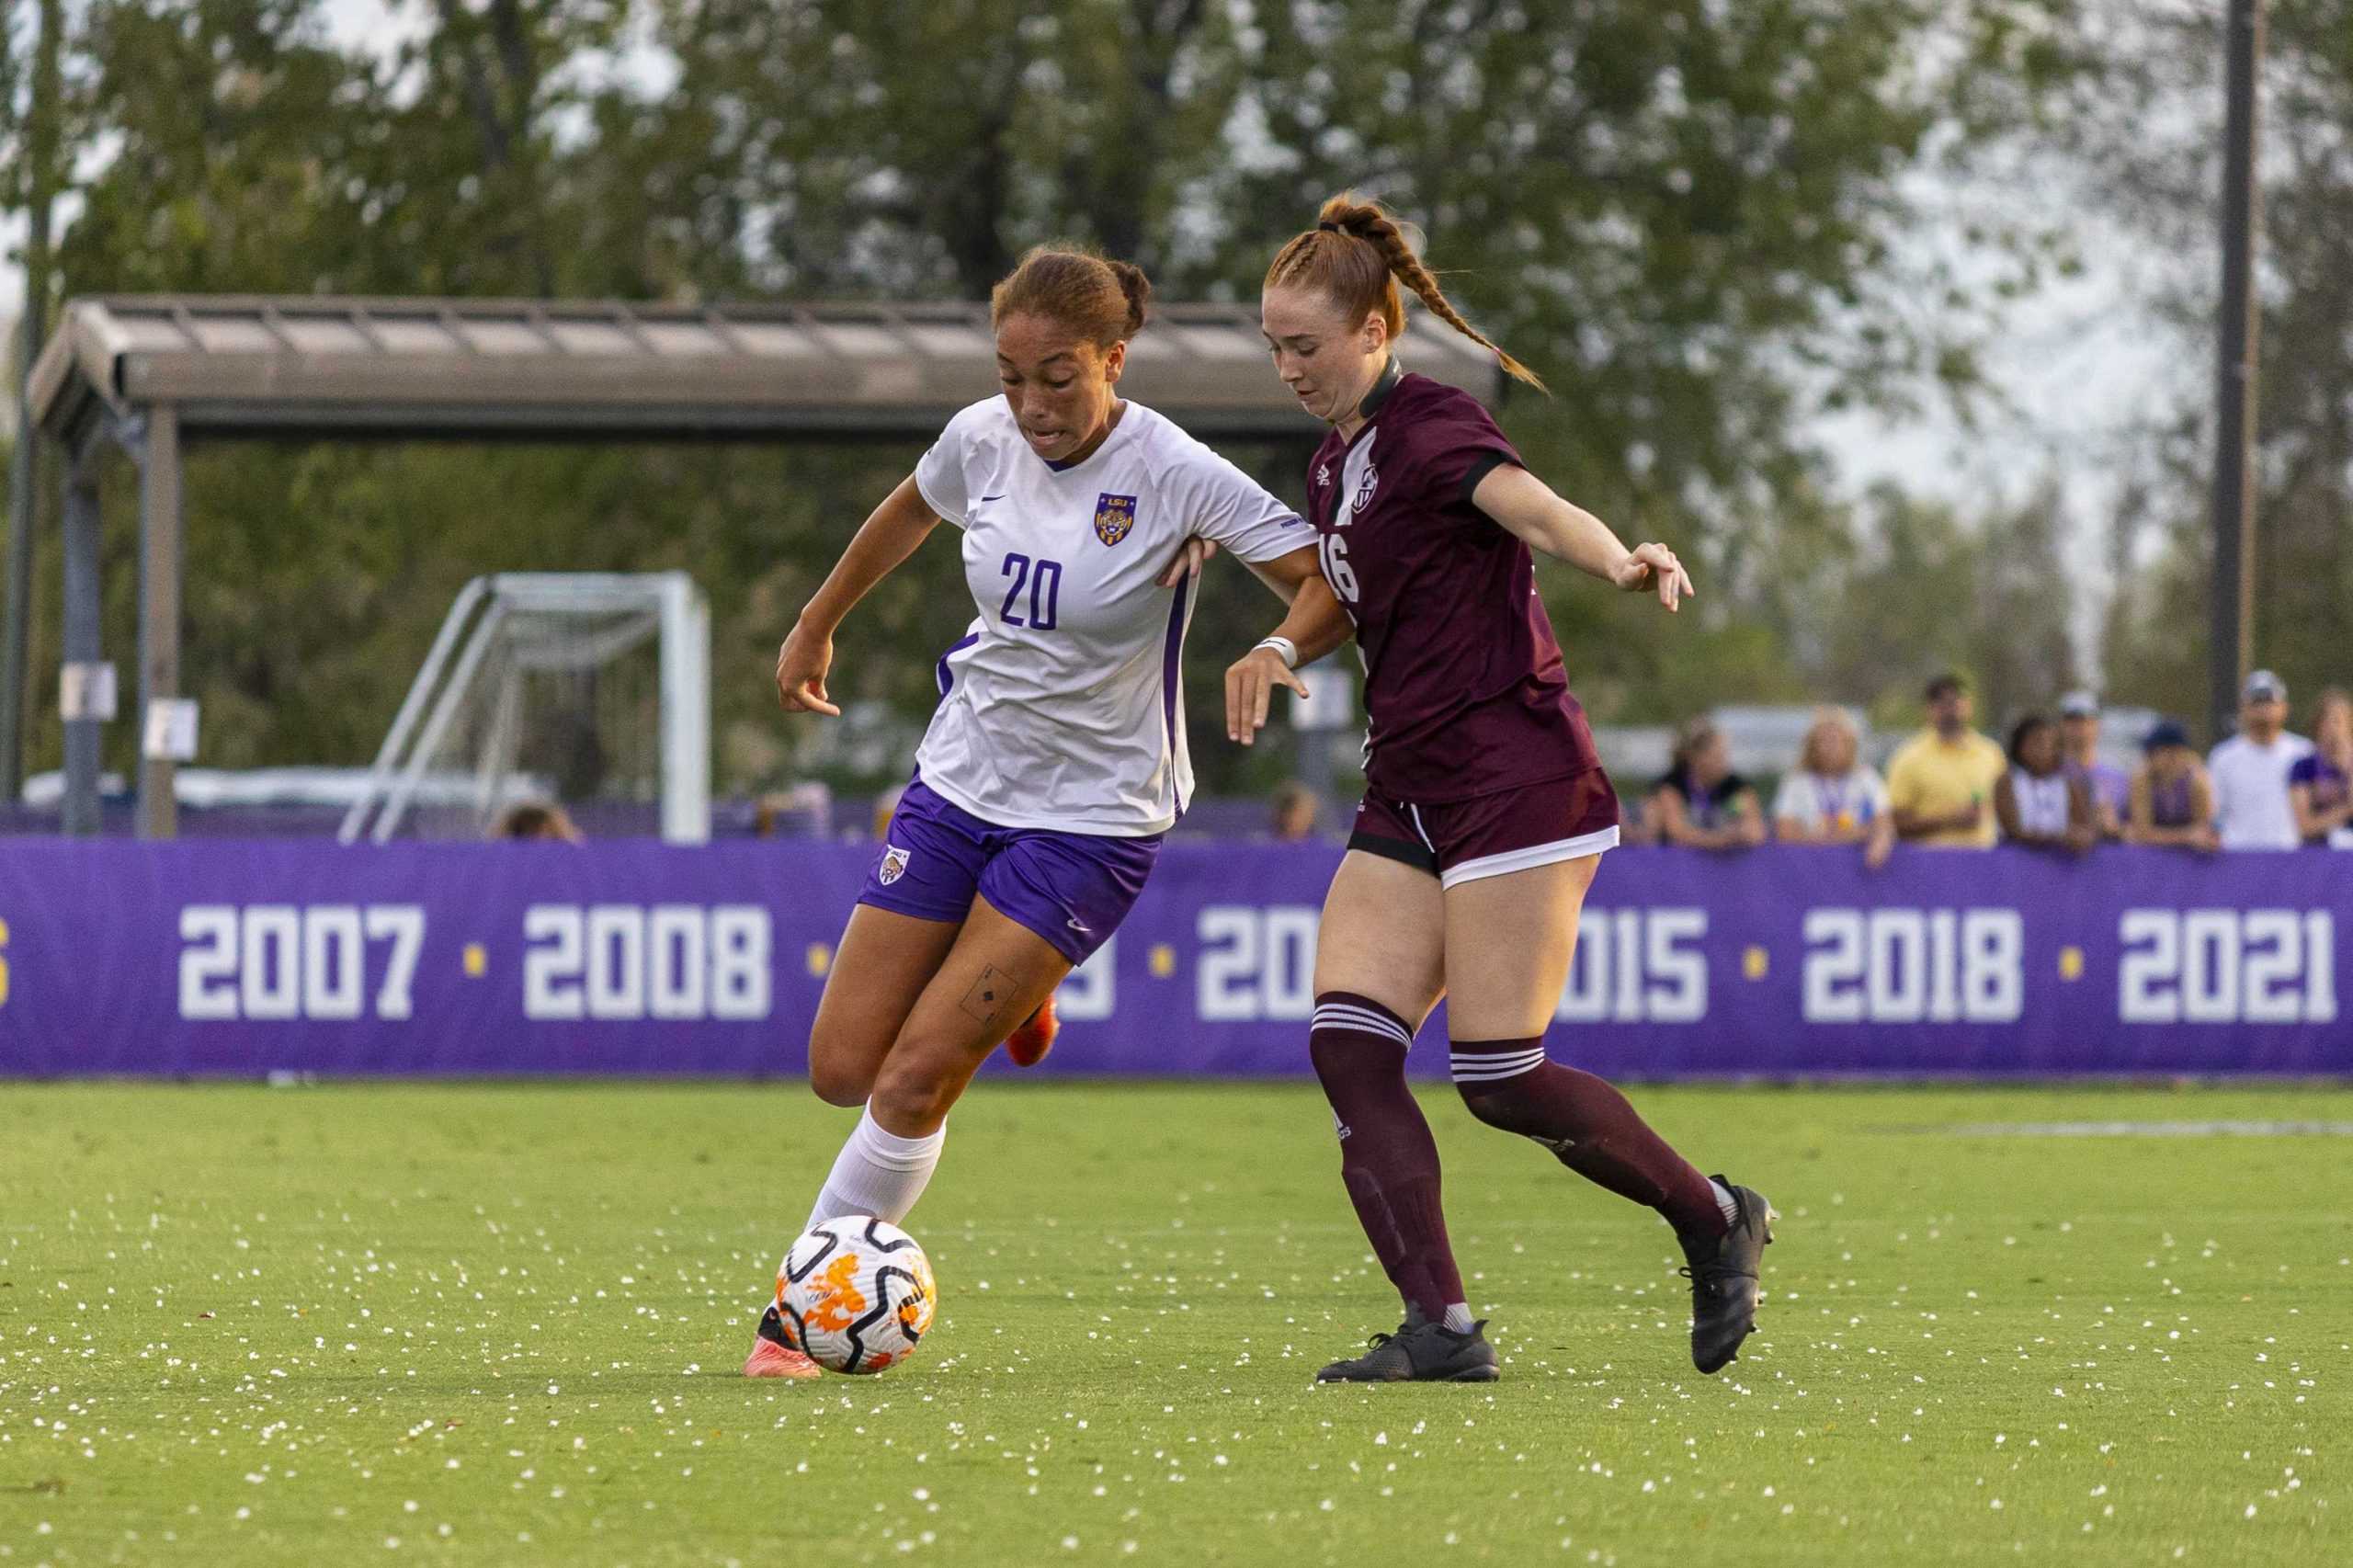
(269, 961)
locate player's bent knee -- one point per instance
(841, 1071)
(914, 1093)
(1487, 1102)
(835, 1085)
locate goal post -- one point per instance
(479, 693)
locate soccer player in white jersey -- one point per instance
(1056, 760)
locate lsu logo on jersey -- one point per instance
(1114, 516)
(895, 866)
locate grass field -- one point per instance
(502, 1325)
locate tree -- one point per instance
(2167, 170)
(1684, 211)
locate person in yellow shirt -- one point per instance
(1940, 784)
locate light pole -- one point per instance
(2231, 640)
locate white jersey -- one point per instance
(1061, 708)
(1818, 803)
(2043, 802)
(2252, 810)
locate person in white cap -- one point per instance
(2250, 770)
(2110, 785)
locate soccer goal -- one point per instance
(577, 687)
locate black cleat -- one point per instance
(1420, 1353)
(1723, 1280)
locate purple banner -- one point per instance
(245, 957)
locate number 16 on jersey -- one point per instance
(1333, 552)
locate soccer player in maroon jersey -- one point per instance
(1486, 809)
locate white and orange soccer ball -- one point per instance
(855, 1294)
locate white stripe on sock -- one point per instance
(1349, 1010)
(1479, 1061)
(1474, 1067)
(1357, 1017)
(1337, 1016)
(1361, 1026)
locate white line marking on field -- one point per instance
(2152, 1129)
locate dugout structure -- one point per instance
(152, 375)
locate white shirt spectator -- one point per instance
(2042, 803)
(1818, 803)
(2251, 808)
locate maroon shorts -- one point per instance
(1511, 830)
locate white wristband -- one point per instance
(1285, 649)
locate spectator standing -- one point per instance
(2172, 802)
(1940, 784)
(2320, 786)
(2040, 804)
(2250, 770)
(2110, 785)
(1702, 804)
(1830, 798)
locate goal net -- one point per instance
(586, 690)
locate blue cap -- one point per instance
(2164, 732)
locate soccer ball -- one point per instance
(855, 1294)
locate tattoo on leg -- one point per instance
(990, 996)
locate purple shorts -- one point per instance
(1072, 888)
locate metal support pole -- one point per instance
(24, 479)
(160, 562)
(15, 597)
(685, 712)
(84, 733)
(2232, 637)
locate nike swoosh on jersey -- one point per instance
(1082, 928)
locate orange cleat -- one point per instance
(1029, 1044)
(771, 1358)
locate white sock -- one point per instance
(1727, 1202)
(1458, 1317)
(878, 1173)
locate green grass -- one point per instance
(501, 1324)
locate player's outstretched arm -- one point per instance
(1315, 625)
(887, 537)
(1526, 505)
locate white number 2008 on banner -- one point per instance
(624, 960)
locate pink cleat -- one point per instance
(771, 1356)
(1029, 1044)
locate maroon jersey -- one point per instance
(1464, 690)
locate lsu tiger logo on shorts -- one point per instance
(894, 865)
(1114, 516)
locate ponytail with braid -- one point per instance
(1358, 254)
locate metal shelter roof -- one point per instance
(475, 370)
(149, 373)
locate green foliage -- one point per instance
(2156, 633)
(1684, 213)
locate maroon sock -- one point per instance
(1509, 1084)
(1388, 1159)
